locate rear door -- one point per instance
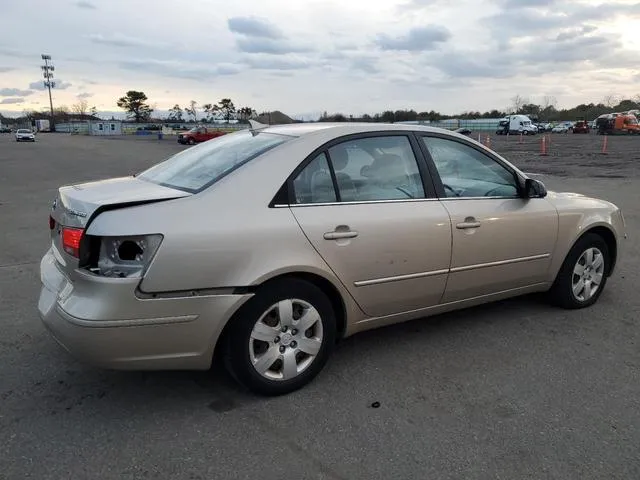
(500, 241)
(365, 206)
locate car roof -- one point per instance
(302, 129)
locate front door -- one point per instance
(362, 204)
(500, 241)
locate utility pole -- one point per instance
(47, 71)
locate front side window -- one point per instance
(199, 167)
(467, 172)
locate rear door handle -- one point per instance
(469, 222)
(337, 235)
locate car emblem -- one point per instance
(77, 213)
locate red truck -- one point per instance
(198, 134)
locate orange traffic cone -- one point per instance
(605, 143)
(543, 147)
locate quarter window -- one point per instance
(467, 172)
(314, 184)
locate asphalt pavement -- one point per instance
(517, 389)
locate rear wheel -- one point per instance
(281, 339)
(583, 274)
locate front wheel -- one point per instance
(281, 339)
(583, 274)
(191, 141)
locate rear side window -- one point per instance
(199, 167)
(365, 169)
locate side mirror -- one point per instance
(534, 188)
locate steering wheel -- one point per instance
(405, 192)
(447, 187)
(490, 192)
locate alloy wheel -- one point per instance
(588, 274)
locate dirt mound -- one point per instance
(274, 118)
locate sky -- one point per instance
(310, 56)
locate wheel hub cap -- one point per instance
(285, 339)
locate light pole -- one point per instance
(47, 72)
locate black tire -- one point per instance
(191, 141)
(237, 340)
(561, 293)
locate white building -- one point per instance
(105, 127)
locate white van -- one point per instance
(516, 125)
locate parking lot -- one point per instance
(517, 389)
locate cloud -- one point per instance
(86, 5)
(118, 39)
(517, 4)
(14, 52)
(418, 39)
(571, 34)
(466, 65)
(274, 47)
(254, 27)
(85, 95)
(5, 69)
(11, 101)
(176, 69)
(515, 22)
(14, 92)
(276, 63)
(39, 85)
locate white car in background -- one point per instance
(25, 135)
(562, 128)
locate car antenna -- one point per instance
(255, 126)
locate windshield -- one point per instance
(199, 167)
(22, 130)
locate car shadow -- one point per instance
(215, 389)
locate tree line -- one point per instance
(546, 110)
(136, 106)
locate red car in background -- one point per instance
(581, 126)
(198, 134)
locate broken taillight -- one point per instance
(71, 240)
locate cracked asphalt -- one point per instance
(511, 390)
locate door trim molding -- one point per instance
(500, 263)
(433, 273)
(399, 278)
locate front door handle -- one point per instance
(340, 234)
(469, 222)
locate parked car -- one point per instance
(5, 130)
(198, 135)
(272, 243)
(463, 131)
(565, 127)
(25, 135)
(581, 126)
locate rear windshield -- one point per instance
(199, 167)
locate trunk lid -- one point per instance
(76, 205)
